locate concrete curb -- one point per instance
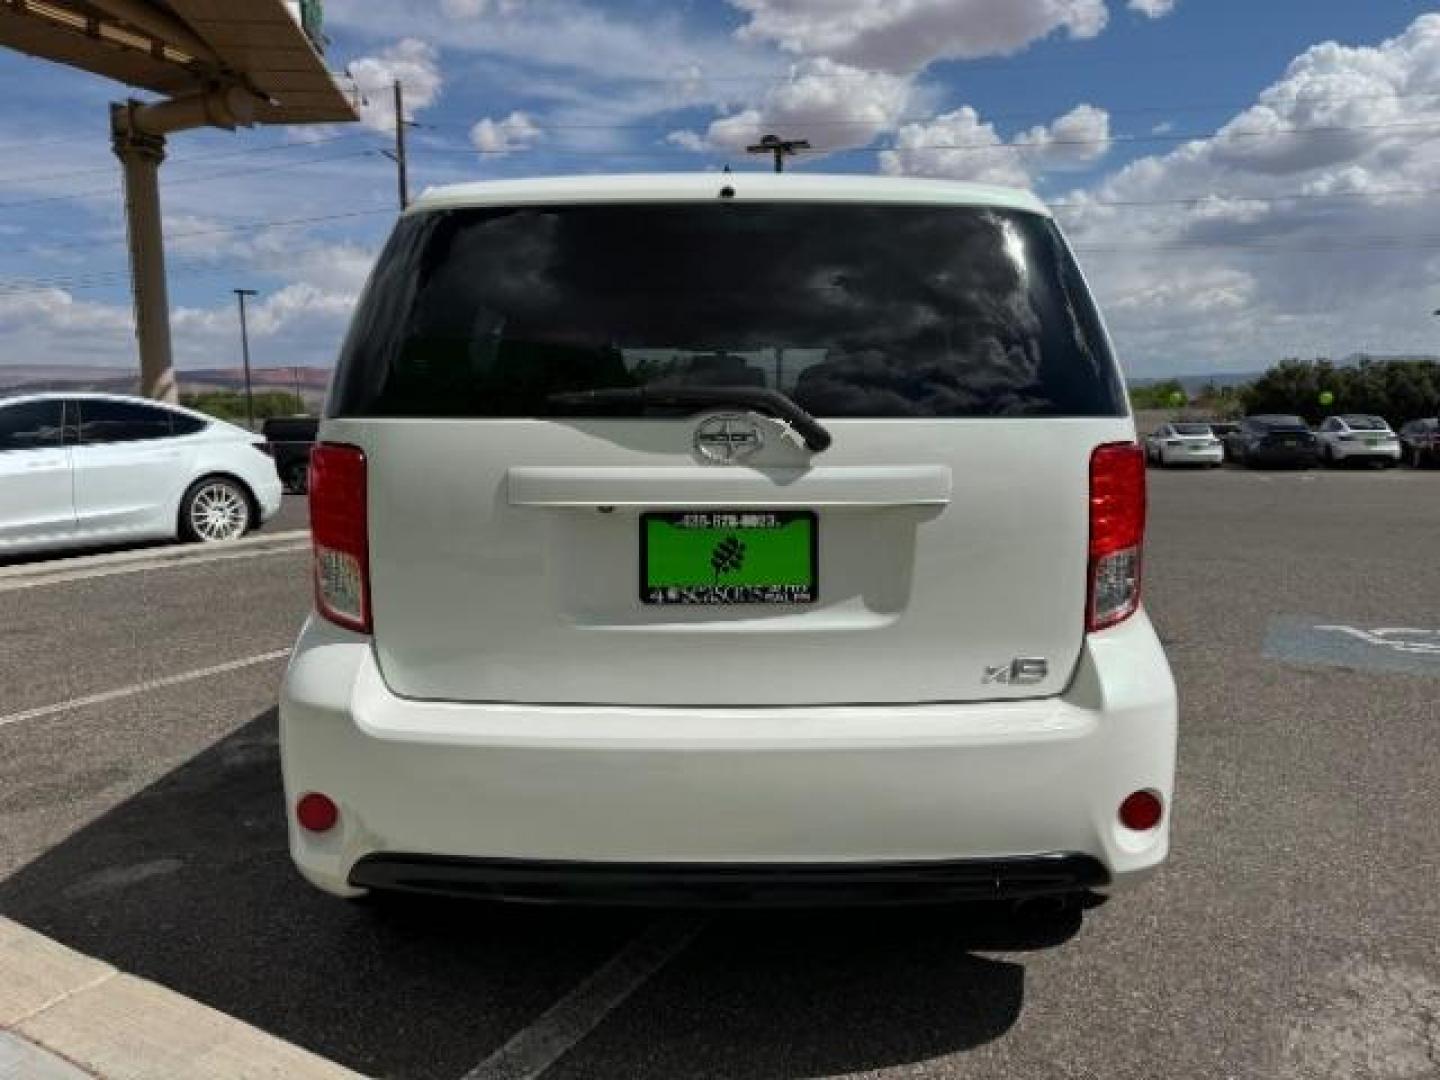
(66, 1015)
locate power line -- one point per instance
(1378, 243)
(1167, 137)
(1217, 196)
(182, 162)
(100, 280)
(259, 225)
(239, 226)
(1271, 244)
(95, 192)
(1155, 137)
(1028, 114)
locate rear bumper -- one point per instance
(1375, 453)
(730, 884)
(492, 797)
(1179, 455)
(1283, 455)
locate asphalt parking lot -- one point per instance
(1294, 933)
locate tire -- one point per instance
(297, 478)
(1416, 462)
(215, 509)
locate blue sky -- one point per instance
(1243, 181)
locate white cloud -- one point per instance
(474, 9)
(906, 35)
(515, 132)
(831, 105)
(411, 62)
(299, 322)
(1307, 275)
(687, 140)
(586, 42)
(1078, 139)
(1155, 9)
(958, 145)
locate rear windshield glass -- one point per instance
(1365, 423)
(1279, 421)
(852, 310)
(1192, 429)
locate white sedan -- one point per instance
(1184, 444)
(85, 469)
(1358, 437)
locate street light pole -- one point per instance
(241, 294)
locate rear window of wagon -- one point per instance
(853, 310)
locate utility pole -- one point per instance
(398, 154)
(241, 294)
(781, 148)
(299, 400)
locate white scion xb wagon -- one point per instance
(742, 538)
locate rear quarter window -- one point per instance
(852, 310)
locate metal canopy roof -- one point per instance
(176, 47)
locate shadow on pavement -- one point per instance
(188, 883)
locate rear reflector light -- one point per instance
(1117, 533)
(316, 813)
(1141, 811)
(340, 532)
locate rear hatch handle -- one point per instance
(760, 399)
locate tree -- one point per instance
(230, 404)
(1399, 390)
(1169, 394)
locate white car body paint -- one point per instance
(80, 495)
(1339, 441)
(1167, 446)
(516, 699)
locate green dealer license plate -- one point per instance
(728, 557)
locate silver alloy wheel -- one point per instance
(218, 511)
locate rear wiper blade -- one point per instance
(762, 400)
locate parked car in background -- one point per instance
(1358, 437)
(288, 440)
(1222, 430)
(1183, 444)
(637, 583)
(84, 469)
(1420, 442)
(1274, 440)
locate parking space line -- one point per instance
(143, 687)
(81, 568)
(530, 1052)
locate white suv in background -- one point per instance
(84, 469)
(1358, 437)
(743, 538)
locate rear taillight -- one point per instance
(1117, 533)
(339, 532)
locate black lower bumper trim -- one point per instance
(731, 884)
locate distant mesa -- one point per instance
(33, 378)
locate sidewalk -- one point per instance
(65, 1016)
